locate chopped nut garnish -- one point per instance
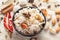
(53, 22)
(44, 11)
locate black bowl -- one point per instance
(43, 25)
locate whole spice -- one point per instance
(27, 15)
(8, 8)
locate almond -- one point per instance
(52, 31)
(53, 22)
(58, 17)
(57, 29)
(57, 11)
(44, 11)
(38, 17)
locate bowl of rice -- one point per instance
(28, 21)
